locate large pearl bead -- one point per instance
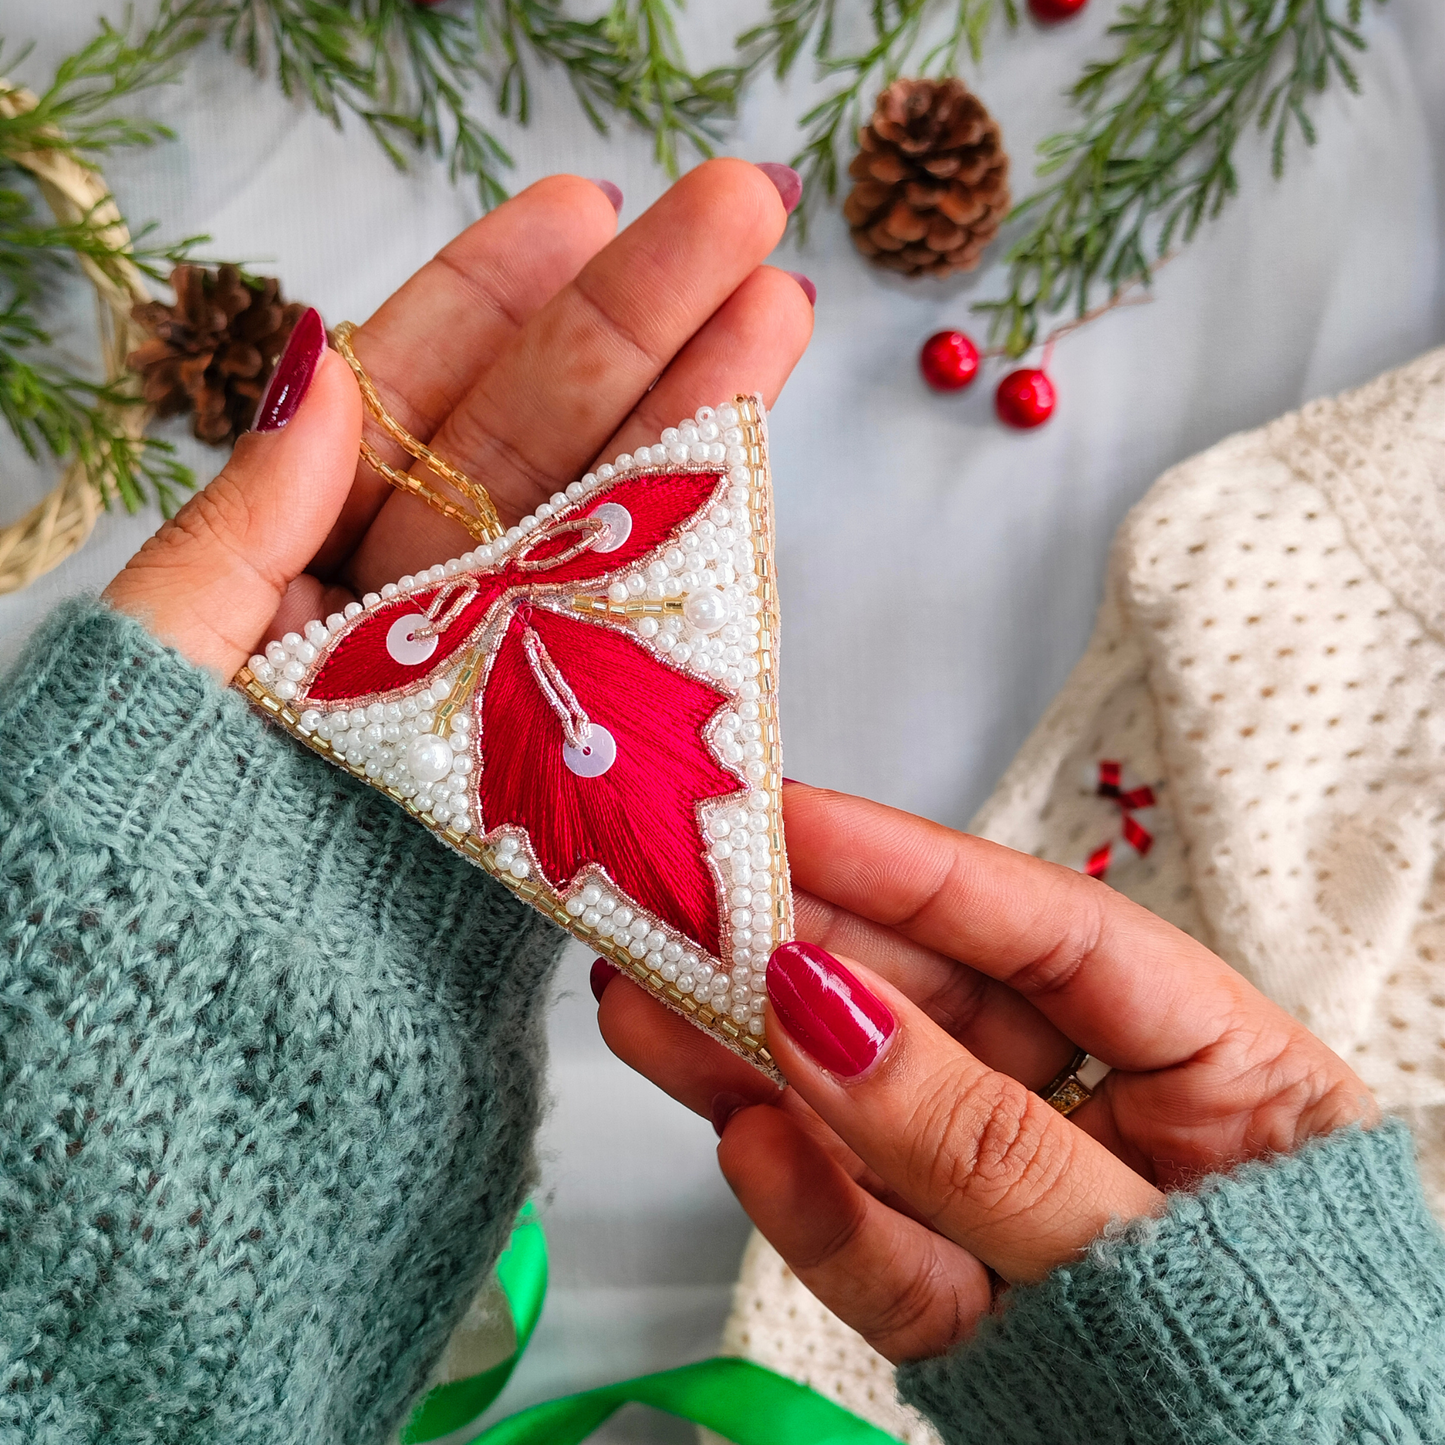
(707, 609)
(428, 757)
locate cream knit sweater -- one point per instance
(1270, 657)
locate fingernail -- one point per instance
(792, 780)
(787, 180)
(602, 974)
(724, 1106)
(294, 369)
(612, 192)
(834, 1019)
(809, 290)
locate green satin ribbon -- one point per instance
(741, 1401)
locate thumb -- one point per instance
(211, 579)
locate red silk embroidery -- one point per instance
(360, 667)
(1133, 831)
(639, 819)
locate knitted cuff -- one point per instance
(107, 732)
(270, 1059)
(1301, 1299)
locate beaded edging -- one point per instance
(723, 553)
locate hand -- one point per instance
(522, 353)
(895, 1181)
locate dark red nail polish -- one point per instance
(829, 1013)
(611, 191)
(602, 974)
(787, 180)
(794, 780)
(724, 1106)
(809, 290)
(292, 376)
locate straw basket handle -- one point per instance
(57, 526)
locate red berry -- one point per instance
(1051, 10)
(1025, 398)
(948, 361)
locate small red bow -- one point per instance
(1134, 833)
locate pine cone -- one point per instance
(213, 351)
(931, 179)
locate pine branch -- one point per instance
(626, 62)
(1154, 156)
(898, 31)
(47, 408)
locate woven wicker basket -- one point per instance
(50, 531)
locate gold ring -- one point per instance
(1066, 1091)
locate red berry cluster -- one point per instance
(949, 362)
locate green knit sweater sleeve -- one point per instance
(1299, 1300)
(269, 1066)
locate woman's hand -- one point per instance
(533, 345)
(908, 1163)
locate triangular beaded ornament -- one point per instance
(586, 707)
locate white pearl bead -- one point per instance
(591, 917)
(316, 633)
(637, 584)
(646, 626)
(353, 609)
(575, 491)
(285, 689)
(429, 758)
(617, 592)
(706, 609)
(727, 415)
(703, 415)
(605, 473)
(519, 868)
(664, 641)
(622, 917)
(276, 655)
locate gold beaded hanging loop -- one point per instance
(480, 518)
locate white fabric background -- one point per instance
(939, 573)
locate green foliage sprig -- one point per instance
(412, 72)
(1155, 154)
(48, 408)
(897, 43)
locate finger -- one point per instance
(910, 1292)
(987, 1162)
(1113, 977)
(428, 344)
(992, 1021)
(673, 1053)
(751, 343)
(211, 579)
(568, 379)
